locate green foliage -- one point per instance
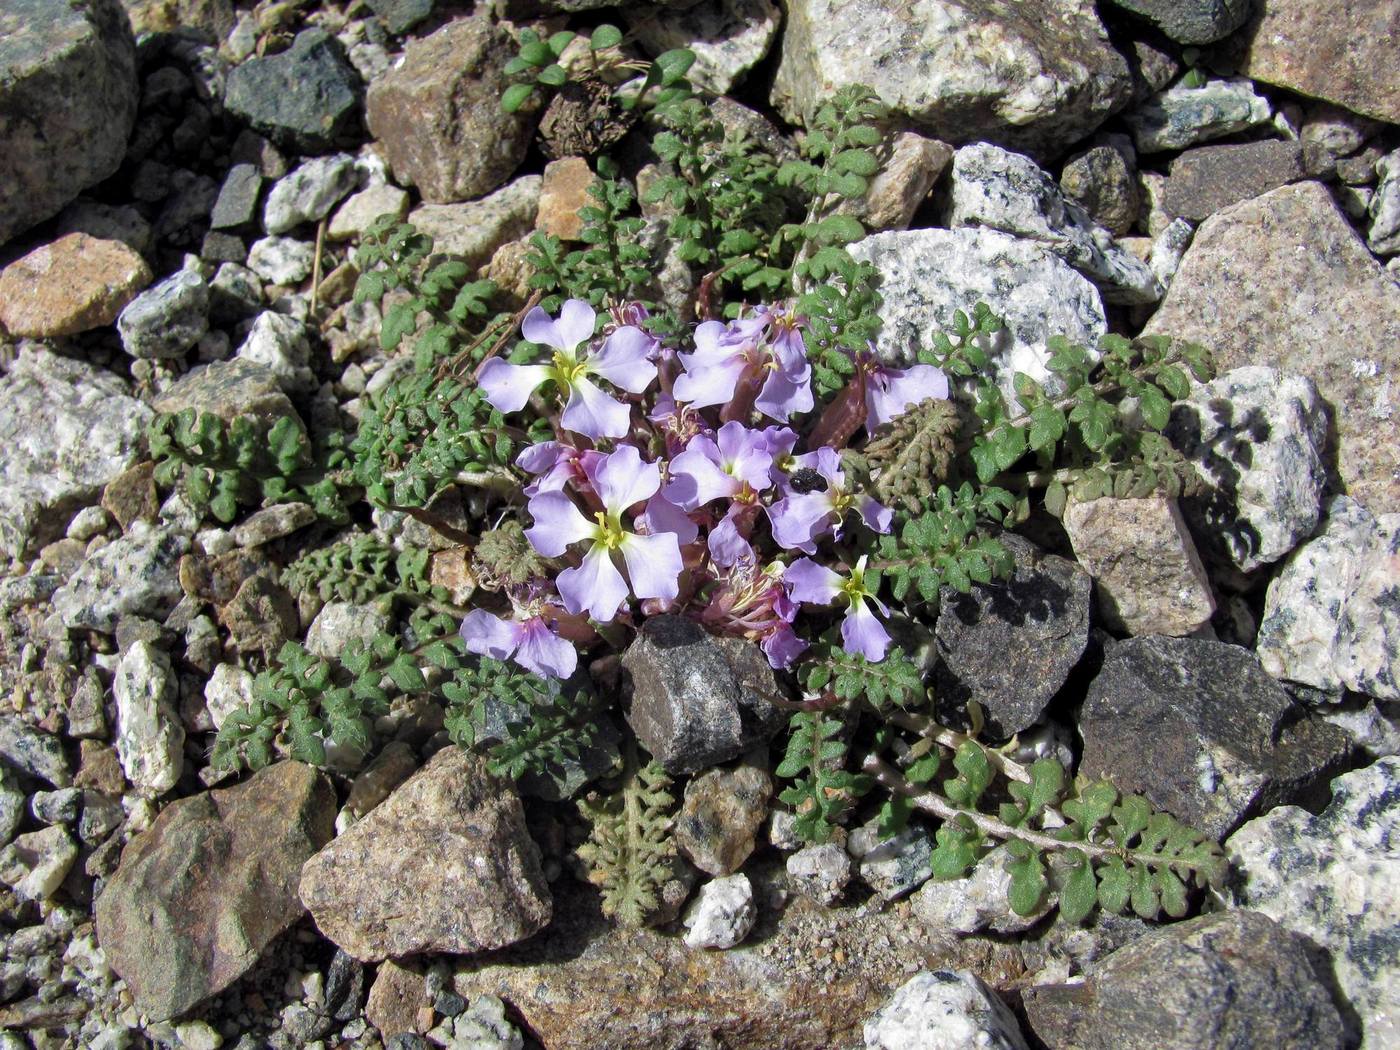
(822, 789)
(363, 568)
(629, 847)
(829, 669)
(946, 545)
(504, 559)
(537, 68)
(913, 453)
(963, 351)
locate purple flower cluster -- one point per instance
(693, 496)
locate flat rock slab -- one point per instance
(1206, 179)
(206, 888)
(72, 285)
(68, 97)
(1284, 280)
(307, 97)
(444, 864)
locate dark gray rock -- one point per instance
(68, 95)
(237, 203)
(166, 319)
(697, 700)
(1202, 731)
(399, 16)
(1011, 644)
(31, 750)
(306, 98)
(223, 248)
(1191, 21)
(1103, 181)
(1220, 981)
(1206, 179)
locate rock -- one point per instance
(1384, 209)
(31, 750)
(167, 319)
(944, 1010)
(306, 98)
(235, 293)
(1329, 616)
(35, 865)
(1008, 192)
(1258, 437)
(893, 867)
(134, 575)
(260, 616)
(1102, 181)
(437, 115)
(820, 873)
(353, 217)
(1011, 645)
(71, 285)
(68, 94)
(915, 163)
(340, 623)
(1168, 248)
(483, 1026)
(1207, 179)
(977, 902)
(1283, 280)
(390, 768)
(1326, 49)
(597, 752)
(1231, 979)
(1139, 551)
(958, 69)
(697, 700)
(728, 39)
(282, 260)
(399, 16)
(272, 523)
(278, 343)
(229, 389)
(1330, 878)
(210, 884)
(237, 204)
(216, 578)
(443, 865)
(56, 807)
(1191, 21)
(563, 191)
(722, 915)
(1183, 115)
(150, 739)
(472, 232)
(101, 769)
(1200, 730)
(394, 999)
(309, 193)
(228, 689)
(131, 495)
(66, 429)
(926, 275)
(720, 817)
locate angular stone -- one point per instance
(11, 804)
(229, 389)
(1201, 731)
(1008, 192)
(1011, 645)
(279, 344)
(893, 867)
(1209, 178)
(71, 285)
(395, 999)
(473, 231)
(563, 191)
(1330, 617)
(34, 865)
(150, 738)
(438, 118)
(720, 817)
(728, 39)
(210, 884)
(597, 751)
(820, 873)
(944, 1010)
(1283, 280)
(722, 915)
(134, 575)
(399, 16)
(68, 94)
(235, 293)
(1103, 181)
(33, 751)
(282, 260)
(1191, 21)
(237, 203)
(66, 430)
(306, 98)
(915, 163)
(167, 319)
(697, 700)
(353, 217)
(1231, 979)
(309, 193)
(340, 623)
(1332, 878)
(958, 69)
(926, 275)
(1328, 49)
(131, 495)
(228, 689)
(1258, 437)
(1184, 115)
(260, 616)
(445, 864)
(272, 523)
(975, 903)
(1384, 209)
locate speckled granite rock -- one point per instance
(944, 1010)
(150, 738)
(1283, 280)
(473, 231)
(959, 69)
(134, 575)
(1183, 115)
(729, 38)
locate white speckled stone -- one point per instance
(150, 738)
(1182, 116)
(282, 260)
(944, 1010)
(729, 38)
(309, 193)
(1384, 209)
(722, 915)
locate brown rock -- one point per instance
(260, 616)
(1283, 280)
(438, 115)
(131, 495)
(563, 192)
(165, 16)
(202, 892)
(217, 579)
(452, 569)
(511, 270)
(721, 815)
(915, 163)
(443, 865)
(390, 768)
(99, 769)
(72, 285)
(394, 998)
(1206, 179)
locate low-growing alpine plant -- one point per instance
(741, 453)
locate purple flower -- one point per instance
(889, 391)
(555, 464)
(653, 561)
(750, 349)
(624, 361)
(531, 642)
(861, 633)
(752, 601)
(733, 463)
(816, 503)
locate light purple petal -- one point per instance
(558, 523)
(696, 477)
(862, 634)
(622, 479)
(799, 519)
(508, 387)
(782, 647)
(488, 635)
(576, 323)
(727, 547)
(810, 582)
(785, 393)
(708, 335)
(876, 515)
(653, 564)
(544, 652)
(594, 414)
(625, 360)
(745, 454)
(889, 391)
(708, 382)
(539, 327)
(595, 585)
(661, 515)
(541, 456)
